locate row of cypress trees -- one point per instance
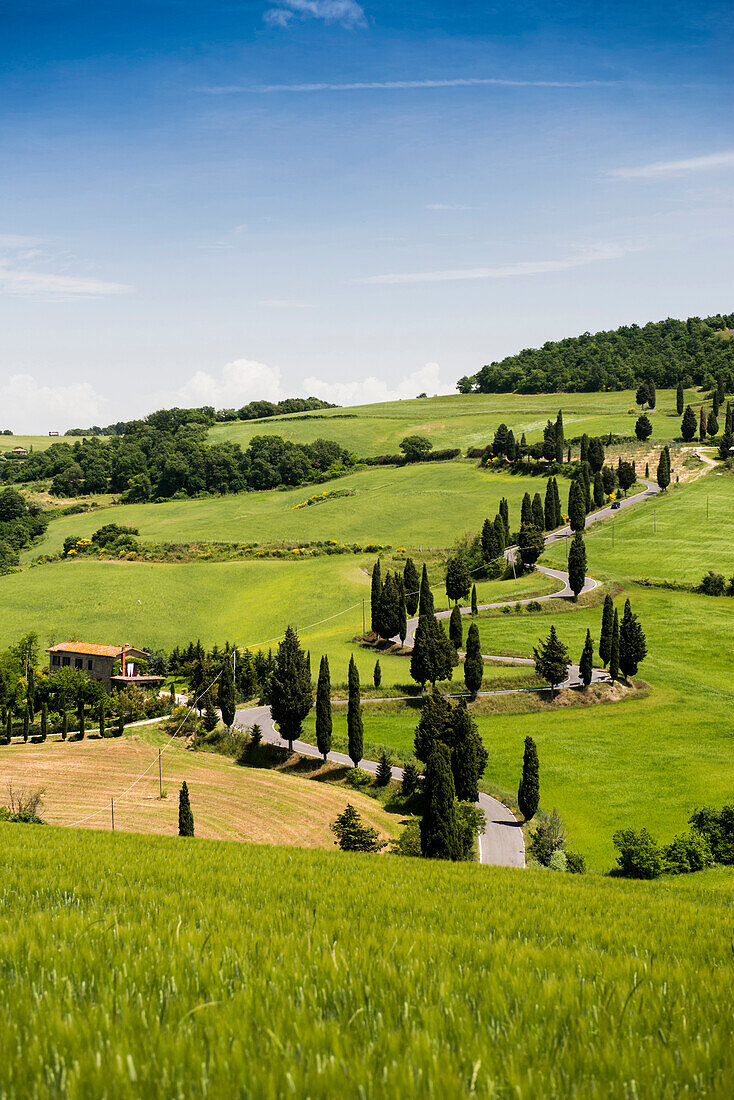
(622, 644)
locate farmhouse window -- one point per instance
(90, 665)
(55, 660)
(65, 661)
(78, 662)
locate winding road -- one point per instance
(501, 843)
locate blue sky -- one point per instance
(213, 202)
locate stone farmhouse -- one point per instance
(100, 663)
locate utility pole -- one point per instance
(364, 630)
(654, 522)
(112, 808)
(160, 776)
(707, 507)
(612, 534)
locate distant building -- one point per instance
(19, 452)
(53, 433)
(99, 661)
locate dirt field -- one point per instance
(229, 802)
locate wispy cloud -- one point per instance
(28, 271)
(448, 206)
(345, 13)
(388, 85)
(711, 162)
(585, 256)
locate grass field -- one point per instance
(140, 966)
(35, 442)
(463, 420)
(229, 802)
(445, 499)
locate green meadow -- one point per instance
(462, 420)
(279, 972)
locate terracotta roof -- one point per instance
(86, 647)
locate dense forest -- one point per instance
(20, 523)
(694, 352)
(168, 455)
(207, 414)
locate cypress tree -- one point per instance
(552, 660)
(538, 512)
(679, 399)
(607, 626)
(599, 496)
(290, 689)
(120, 725)
(185, 816)
(614, 650)
(489, 540)
(505, 513)
(9, 727)
(528, 792)
(384, 770)
(101, 721)
(226, 693)
(584, 448)
(411, 780)
(375, 593)
(456, 628)
(474, 604)
(702, 425)
(664, 469)
(439, 827)
(323, 708)
(715, 405)
(586, 664)
(549, 509)
(402, 618)
(596, 454)
(458, 579)
(577, 565)
(557, 499)
(31, 692)
(433, 657)
(688, 425)
(510, 447)
(468, 754)
(560, 437)
(44, 720)
(473, 663)
(355, 731)
(387, 624)
(500, 535)
(712, 424)
(586, 480)
(377, 674)
(433, 725)
(425, 606)
(632, 643)
(210, 714)
(526, 511)
(25, 723)
(576, 506)
(411, 584)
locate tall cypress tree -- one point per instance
(505, 513)
(577, 565)
(411, 584)
(528, 792)
(688, 425)
(489, 540)
(560, 436)
(185, 816)
(290, 690)
(632, 643)
(526, 511)
(323, 709)
(500, 534)
(226, 693)
(375, 593)
(102, 716)
(474, 604)
(433, 725)
(584, 448)
(402, 617)
(576, 506)
(664, 468)
(614, 651)
(538, 512)
(377, 674)
(473, 663)
(439, 827)
(355, 731)
(599, 496)
(433, 657)
(679, 399)
(586, 664)
(552, 660)
(549, 509)
(468, 754)
(712, 424)
(557, 499)
(607, 626)
(425, 606)
(387, 623)
(44, 720)
(456, 628)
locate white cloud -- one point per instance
(505, 271)
(347, 13)
(25, 272)
(30, 408)
(240, 381)
(676, 167)
(406, 85)
(371, 389)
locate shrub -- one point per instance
(352, 835)
(409, 841)
(575, 862)
(558, 861)
(687, 852)
(639, 856)
(548, 836)
(717, 827)
(533, 606)
(358, 778)
(470, 821)
(184, 718)
(712, 584)
(411, 779)
(23, 805)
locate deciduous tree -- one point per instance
(458, 579)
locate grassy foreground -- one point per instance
(137, 967)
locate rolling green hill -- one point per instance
(144, 967)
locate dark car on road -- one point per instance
(616, 504)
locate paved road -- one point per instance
(501, 843)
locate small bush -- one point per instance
(688, 852)
(712, 584)
(409, 841)
(533, 606)
(358, 779)
(717, 828)
(639, 856)
(558, 861)
(548, 836)
(411, 779)
(470, 821)
(576, 863)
